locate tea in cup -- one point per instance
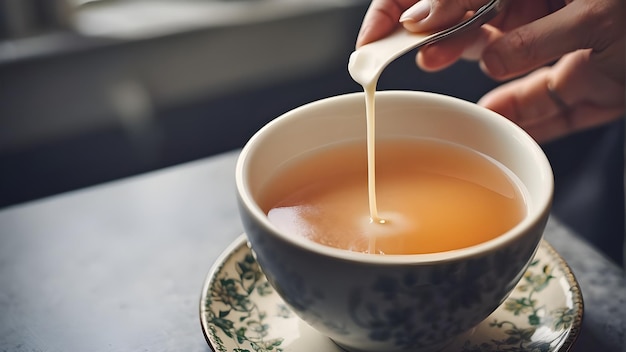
(463, 195)
(431, 196)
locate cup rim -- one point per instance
(534, 217)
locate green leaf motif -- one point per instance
(233, 297)
(520, 338)
(564, 318)
(534, 320)
(264, 289)
(241, 335)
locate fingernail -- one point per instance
(492, 64)
(417, 12)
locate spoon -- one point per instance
(367, 62)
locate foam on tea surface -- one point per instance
(433, 196)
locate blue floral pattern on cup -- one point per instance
(241, 312)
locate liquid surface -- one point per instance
(433, 196)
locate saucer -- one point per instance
(241, 312)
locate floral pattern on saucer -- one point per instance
(241, 312)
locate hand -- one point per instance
(584, 88)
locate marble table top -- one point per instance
(120, 266)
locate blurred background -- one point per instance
(94, 91)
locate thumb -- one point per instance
(432, 15)
(381, 19)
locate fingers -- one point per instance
(578, 119)
(579, 25)
(587, 98)
(468, 45)
(382, 18)
(432, 15)
(526, 38)
(442, 14)
(524, 101)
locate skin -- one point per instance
(585, 39)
